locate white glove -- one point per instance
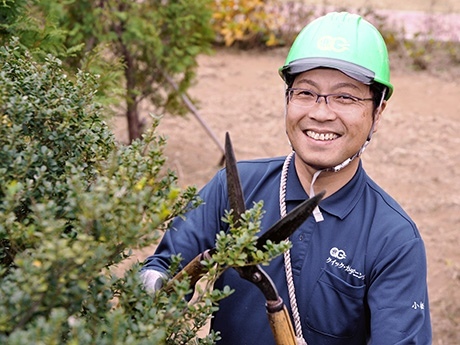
(152, 280)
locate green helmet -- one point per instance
(341, 41)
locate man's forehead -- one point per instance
(319, 77)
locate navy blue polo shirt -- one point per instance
(360, 275)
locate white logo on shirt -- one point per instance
(336, 259)
(337, 253)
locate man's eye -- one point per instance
(343, 98)
(305, 93)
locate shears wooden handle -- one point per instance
(281, 324)
(278, 315)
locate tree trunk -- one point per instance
(134, 125)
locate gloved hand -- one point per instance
(152, 280)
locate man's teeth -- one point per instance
(322, 136)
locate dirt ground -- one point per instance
(415, 154)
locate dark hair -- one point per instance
(377, 90)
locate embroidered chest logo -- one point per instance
(337, 253)
(335, 258)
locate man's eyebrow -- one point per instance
(345, 84)
(308, 81)
(335, 87)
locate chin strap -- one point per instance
(316, 212)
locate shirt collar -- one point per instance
(338, 204)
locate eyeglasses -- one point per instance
(339, 102)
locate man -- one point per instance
(357, 270)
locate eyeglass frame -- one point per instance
(325, 96)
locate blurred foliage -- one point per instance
(247, 23)
(136, 47)
(156, 41)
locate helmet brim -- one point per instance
(359, 73)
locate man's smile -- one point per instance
(321, 136)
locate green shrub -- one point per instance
(73, 204)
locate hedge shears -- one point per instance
(279, 319)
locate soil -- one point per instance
(415, 154)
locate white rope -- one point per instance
(287, 258)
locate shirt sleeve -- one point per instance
(398, 298)
(196, 231)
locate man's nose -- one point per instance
(321, 110)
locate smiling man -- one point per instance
(356, 272)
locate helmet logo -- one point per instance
(335, 44)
